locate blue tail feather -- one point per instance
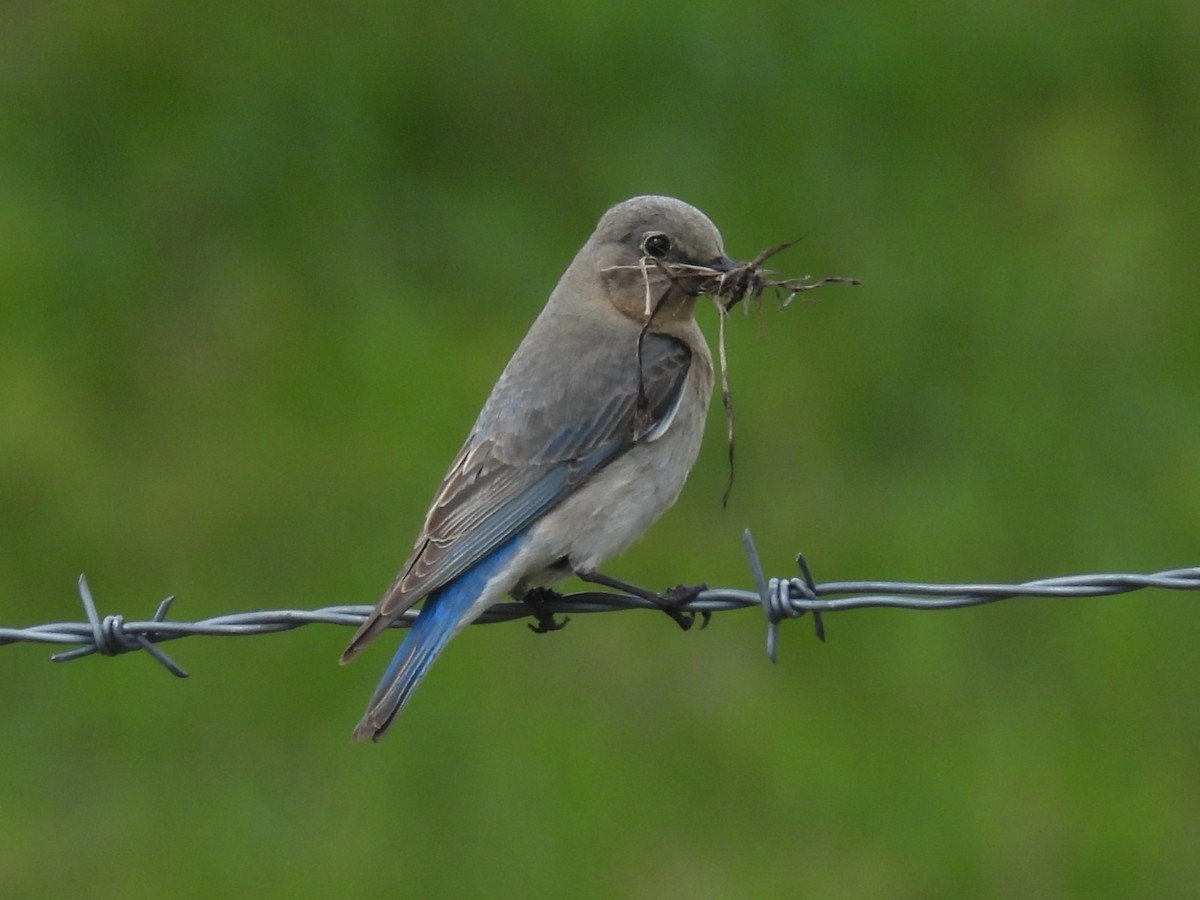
(437, 622)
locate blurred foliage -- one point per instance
(259, 265)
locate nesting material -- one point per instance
(747, 282)
(750, 281)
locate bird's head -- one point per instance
(654, 254)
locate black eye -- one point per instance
(657, 245)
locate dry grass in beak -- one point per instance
(750, 280)
(747, 282)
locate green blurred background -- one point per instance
(261, 263)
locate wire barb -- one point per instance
(775, 596)
(778, 598)
(111, 638)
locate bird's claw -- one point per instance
(672, 598)
(536, 599)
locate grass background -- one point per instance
(260, 265)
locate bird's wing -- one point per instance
(527, 453)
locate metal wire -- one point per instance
(779, 599)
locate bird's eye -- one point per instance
(657, 245)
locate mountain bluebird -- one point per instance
(585, 440)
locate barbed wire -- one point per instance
(779, 599)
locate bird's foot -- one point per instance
(536, 599)
(668, 601)
(671, 599)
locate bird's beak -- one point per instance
(723, 264)
(713, 280)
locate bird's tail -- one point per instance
(446, 610)
(436, 624)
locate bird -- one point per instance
(587, 437)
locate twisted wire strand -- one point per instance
(779, 599)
